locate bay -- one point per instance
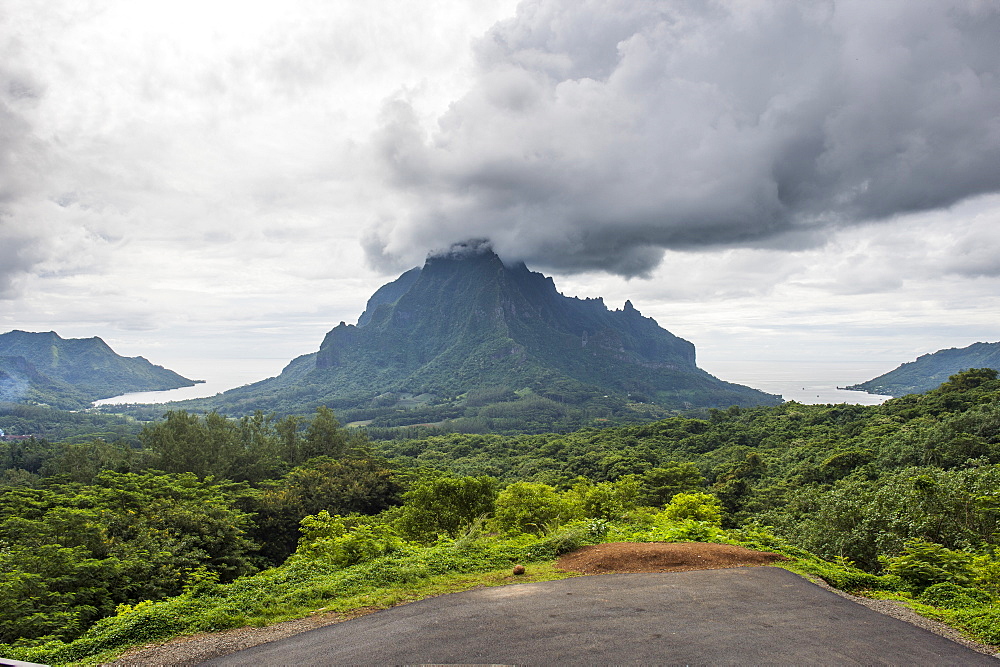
(220, 375)
(809, 382)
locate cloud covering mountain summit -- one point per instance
(598, 134)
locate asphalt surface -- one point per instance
(740, 615)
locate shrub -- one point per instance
(327, 538)
(604, 500)
(689, 530)
(445, 506)
(663, 528)
(695, 506)
(568, 538)
(953, 596)
(529, 507)
(987, 575)
(923, 564)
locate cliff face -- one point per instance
(506, 322)
(466, 321)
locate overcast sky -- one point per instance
(199, 181)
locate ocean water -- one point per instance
(804, 382)
(219, 376)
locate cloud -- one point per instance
(971, 248)
(19, 169)
(596, 134)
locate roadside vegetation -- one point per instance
(210, 523)
(343, 565)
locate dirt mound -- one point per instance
(661, 557)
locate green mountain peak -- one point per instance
(73, 372)
(467, 321)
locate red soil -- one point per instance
(661, 557)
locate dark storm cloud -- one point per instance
(597, 134)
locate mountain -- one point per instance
(930, 370)
(467, 330)
(72, 373)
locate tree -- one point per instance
(662, 483)
(83, 462)
(254, 448)
(70, 553)
(291, 442)
(446, 505)
(529, 507)
(347, 486)
(256, 454)
(324, 437)
(179, 444)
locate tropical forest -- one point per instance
(117, 531)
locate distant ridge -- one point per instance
(928, 371)
(71, 373)
(467, 329)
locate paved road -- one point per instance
(739, 615)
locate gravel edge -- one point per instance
(900, 611)
(195, 649)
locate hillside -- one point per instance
(930, 370)
(71, 373)
(467, 331)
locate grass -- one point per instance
(298, 589)
(345, 608)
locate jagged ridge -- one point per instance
(467, 321)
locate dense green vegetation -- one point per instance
(73, 552)
(921, 466)
(43, 368)
(61, 425)
(211, 522)
(344, 565)
(394, 415)
(930, 370)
